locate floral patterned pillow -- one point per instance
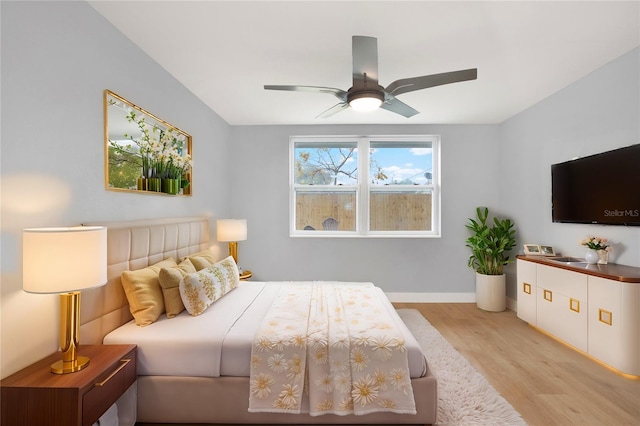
(200, 289)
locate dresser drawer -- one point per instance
(564, 317)
(564, 282)
(110, 385)
(527, 291)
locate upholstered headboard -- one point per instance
(130, 246)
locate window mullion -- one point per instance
(363, 185)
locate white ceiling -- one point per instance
(225, 52)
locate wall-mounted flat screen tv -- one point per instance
(602, 188)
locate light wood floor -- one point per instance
(545, 381)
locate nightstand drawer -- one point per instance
(34, 396)
(108, 388)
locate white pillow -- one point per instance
(200, 289)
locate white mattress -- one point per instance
(218, 342)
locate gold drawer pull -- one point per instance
(574, 305)
(548, 295)
(123, 365)
(526, 287)
(605, 316)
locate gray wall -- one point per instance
(504, 166)
(57, 58)
(595, 114)
(428, 265)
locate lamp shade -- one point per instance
(58, 260)
(232, 229)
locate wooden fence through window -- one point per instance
(389, 211)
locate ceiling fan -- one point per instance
(366, 94)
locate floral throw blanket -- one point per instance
(329, 348)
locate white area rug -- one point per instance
(465, 398)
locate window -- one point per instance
(365, 186)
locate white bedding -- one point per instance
(218, 342)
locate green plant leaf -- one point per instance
(489, 244)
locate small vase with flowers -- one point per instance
(598, 250)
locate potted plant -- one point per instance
(489, 244)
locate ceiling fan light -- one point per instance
(366, 101)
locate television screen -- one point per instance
(602, 188)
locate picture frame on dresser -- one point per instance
(538, 250)
(547, 250)
(532, 249)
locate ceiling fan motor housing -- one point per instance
(353, 94)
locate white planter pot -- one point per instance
(491, 292)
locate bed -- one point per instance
(196, 390)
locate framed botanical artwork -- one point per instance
(144, 153)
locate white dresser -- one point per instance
(593, 308)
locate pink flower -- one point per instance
(596, 243)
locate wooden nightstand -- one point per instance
(35, 396)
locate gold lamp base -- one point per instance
(69, 335)
(64, 367)
(233, 250)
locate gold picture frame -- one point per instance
(143, 153)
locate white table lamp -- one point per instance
(232, 231)
(65, 261)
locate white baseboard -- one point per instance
(432, 297)
(512, 304)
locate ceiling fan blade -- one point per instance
(417, 83)
(394, 105)
(338, 93)
(334, 110)
(365, 61)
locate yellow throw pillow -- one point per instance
(170, 282)
(202, 259)
(144, 293)
(200, 289)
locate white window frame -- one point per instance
(363, 188)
